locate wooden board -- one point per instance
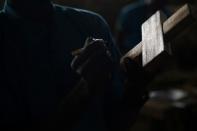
(152, 38)
(178, 22)
(171, 28)
(135, 54)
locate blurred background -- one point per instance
(109, 9)
(173, 93)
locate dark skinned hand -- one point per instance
(93, 62)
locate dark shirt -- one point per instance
(35, 64)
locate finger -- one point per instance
(88, 41)
(91, 49)
(80, 60)
(98, 63)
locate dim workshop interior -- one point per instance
(164, 43)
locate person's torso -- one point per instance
(35, 62)
(35, 66)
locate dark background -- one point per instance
(109, 9)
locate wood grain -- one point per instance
(152, 38)
(135, 54)
(171, 28)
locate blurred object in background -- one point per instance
(109, 9)
(168, 110)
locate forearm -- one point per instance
(73, 105)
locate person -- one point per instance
(44, 85)
(130, 19)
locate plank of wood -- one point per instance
(177, 22)
(135, 54)
(152, 38)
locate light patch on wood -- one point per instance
(152, 38)
(176, 18)
(171, 28)
(135, 52)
